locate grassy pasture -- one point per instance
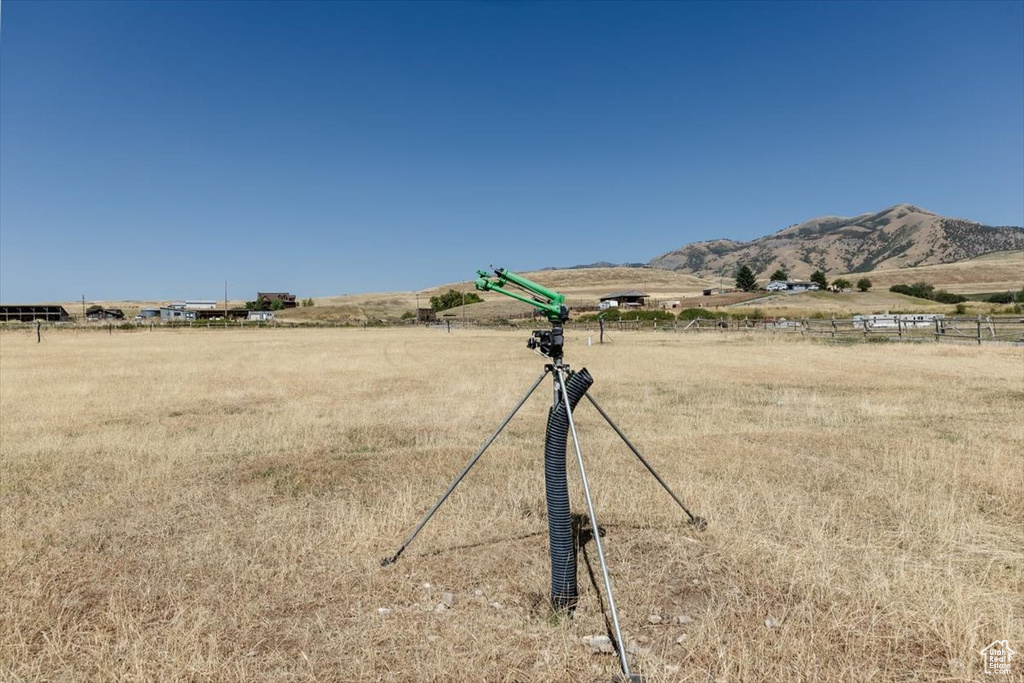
(212, 505)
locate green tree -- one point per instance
(745, 279)
(864, 284)
(841, 283)
(276, 305)
(780, 274)
(453, 298)
(818, 278)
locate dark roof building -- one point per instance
(632, 297)
(33, 312)
(270, 297)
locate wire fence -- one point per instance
(976, 330)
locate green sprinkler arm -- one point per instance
(550, 302)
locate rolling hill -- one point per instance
(898, 237)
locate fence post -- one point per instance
(979, 328)
(936, 329)
(39, 334)
(833, 326)
(899, 327)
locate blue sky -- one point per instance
(155, 149)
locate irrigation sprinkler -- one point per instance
(569, 389)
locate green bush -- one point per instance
(944, 297)
(841, 283)
(923, 290)
(693, 313)
(646, 315)
(920, 290)
(1002, 298)
(453, 298)
(864, 284)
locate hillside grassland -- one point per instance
(212, 505)
(997, 272)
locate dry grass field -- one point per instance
(998, 272)
(212, 505)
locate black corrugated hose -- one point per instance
(556, 488)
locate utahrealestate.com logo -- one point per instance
(997, 657)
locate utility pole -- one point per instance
(225, 300)
(83, 308)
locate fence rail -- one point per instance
(977, 330)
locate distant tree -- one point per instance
(308, 302)
(841, 283)
(780, 274)
(745, 279)
(818, 278)
(276, 305)
(864, 284)
(453, 298)
(408, 315)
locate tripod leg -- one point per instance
(560, 378)
(699, 522)
(465, 470)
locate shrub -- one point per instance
(453, 298)
(693, 314)
(944, 297)
(841, 283)
(1002, 298)
(864, 284)
(779, 274)
(646, 315)
(920, 290)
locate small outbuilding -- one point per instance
(31, 313)
(261, 316)
(176, 314)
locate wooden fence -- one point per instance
(975, 330)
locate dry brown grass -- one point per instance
(212, 505)
(999, 272)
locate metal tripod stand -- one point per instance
(549, 343)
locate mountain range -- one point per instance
(900, 236)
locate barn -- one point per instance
(30, 313)
(630, 298)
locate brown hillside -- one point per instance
(901, 236)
